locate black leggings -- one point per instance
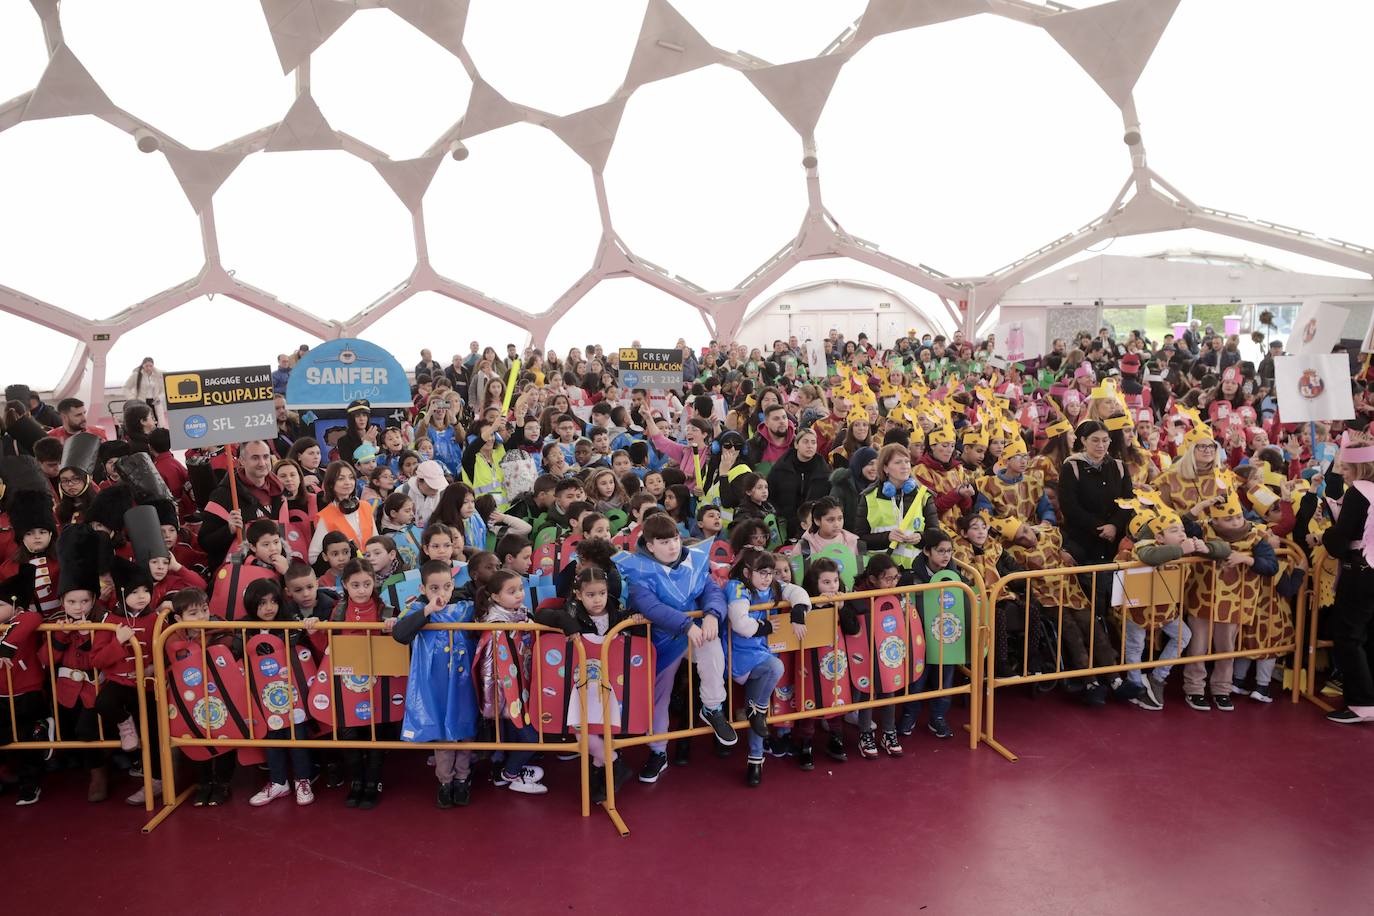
(117, 702)
(79, 723)
(365, 766)
(29, 709)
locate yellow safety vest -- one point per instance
(882, 517)
(713, 494)
(487, 478)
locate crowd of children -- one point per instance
(584, 507)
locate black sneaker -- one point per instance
(890, 745)
(1197, 701)
(868, 746)
(355, 794)
(1147, 701)
(28, 795)
(758, 720)
(372, 793)
(940, 728)
(597, 778)
(1224, 703)
(720, 724)
(753, 772)
(907, 725)
(333, 776)
(682, 752)
(45, 730)
(620, 773)
(653, 767)
(219, 794)
(1346, 717)
(1093, 695)
(722, 750)
(1127, 690)
(834, 749)
(444, 800)
(462, 792)
(806, 758)
(780, 746)
(202, 797)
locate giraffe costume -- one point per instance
(1018, 500)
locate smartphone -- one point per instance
(439, 405)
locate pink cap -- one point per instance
(1352, 453)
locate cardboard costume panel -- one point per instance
(206, 697)
(355, 699)
(229, 584)
(279, 679)
(946, 622)
(629, 702)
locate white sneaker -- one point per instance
(128, 735)
(139, 798)
(500, 780)
(1260, 695)
(270, 793)
(1237, 690)
(304, 794)
(527, 782)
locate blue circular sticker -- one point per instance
(636, 661)
(363, 710)
(946, 600)
(195, 426)
(553, 657)
(889, 624)
(191, 677)
(269, 667)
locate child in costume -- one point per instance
(666, 582)
(504, 693)
(937, 555)
(215, 775)
(360, 604)
(881, 572)
(1016, 492)
(336, 550)
(753, 580)
(976, 548)
(31, 517)
(940, 473)
(1156, 536)
(70, 654)
(398, 522)
(263, 601)
(442, 702)
(21, 680)
(1221, 601)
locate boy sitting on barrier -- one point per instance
(1155, 536)
(666, 583)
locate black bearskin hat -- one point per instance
(142, 478)
(19, 473)
(128, 576)
(30, 509)
(81, 453)
(109, 505)
(81, 555)
(167, 513)
(26, 431)
(18, 589)
(145, 534)
(114, 448)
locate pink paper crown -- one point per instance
(1354, 454)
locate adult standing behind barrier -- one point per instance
(895, 511)
(260, 496)
(1353, 614)
(798, 477)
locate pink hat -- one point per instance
(1084, 370)
(432, 473)
(1352, 453)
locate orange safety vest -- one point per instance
(335, 520)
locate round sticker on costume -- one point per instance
(516, 707)
(512, 671)
(189, 696)
(947, 628)
(269, 667)
(889, 624)
(298, 716)
(546, 718)
(210, 687)
(636, 661)
(553, 657)
(195, 426)
(946, 600)
(892, 652)
(221, 661)
(274, 722)
(320, 701)
(593, 671)
(398, 699)
(549, 692)
(209, 713)
(501, 652)
(363, 710)
(293, 535)
(276, 698)
(863, 683)
(191, 677)
(303, 655)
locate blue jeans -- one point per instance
(1179, 637)
(279, 757)
(516, 760)
(758, 689)
(938, 706)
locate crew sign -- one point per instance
(640, 368)
(211, 407)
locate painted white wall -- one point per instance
(849, 305)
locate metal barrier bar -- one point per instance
(101, 743)
(164, 633)
(974, 671)
(991, 682)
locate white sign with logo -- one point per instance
(1314, 387)
(1317, 328)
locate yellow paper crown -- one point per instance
(1015, 446)
(976, 436)
(856, 413)
(1006, 528)
(1058, 428)
(1120, 421)
(1150, 517)
(940, 435)
(1230, 508)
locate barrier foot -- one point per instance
(997, 746)
(1319, 702)
(619, 823)
(168, 809)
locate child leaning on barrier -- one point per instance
(753, 580)
(1155, 536)
(880, 573)
(667, 582)
(449, 687)
(504, 661)
(214, 775)
(937, 555)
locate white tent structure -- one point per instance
(495, 167)
(852, 307)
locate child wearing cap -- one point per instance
(1223, 600)
(1155, 536)
(1015, 492)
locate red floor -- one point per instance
(1268, 809)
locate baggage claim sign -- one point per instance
(219, 406)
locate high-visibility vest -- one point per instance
(487, 478)
(882, 517)
(713, 493)
(334, 520)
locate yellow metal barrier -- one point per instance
(171, 798)
(1268, 596)
(58, 743)
(972, 689)
(1324, 567)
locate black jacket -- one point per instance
(1088, 495)
(792, 482)
(216, 537)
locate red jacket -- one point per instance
(174, 473)
(20, 645)
(116, 660)
(175, 581)
(71, 657)
(61, 435)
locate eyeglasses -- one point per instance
(766, 571)
(1206, 447)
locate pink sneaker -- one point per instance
(128, 735)
(270, 793)
(304, 795)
